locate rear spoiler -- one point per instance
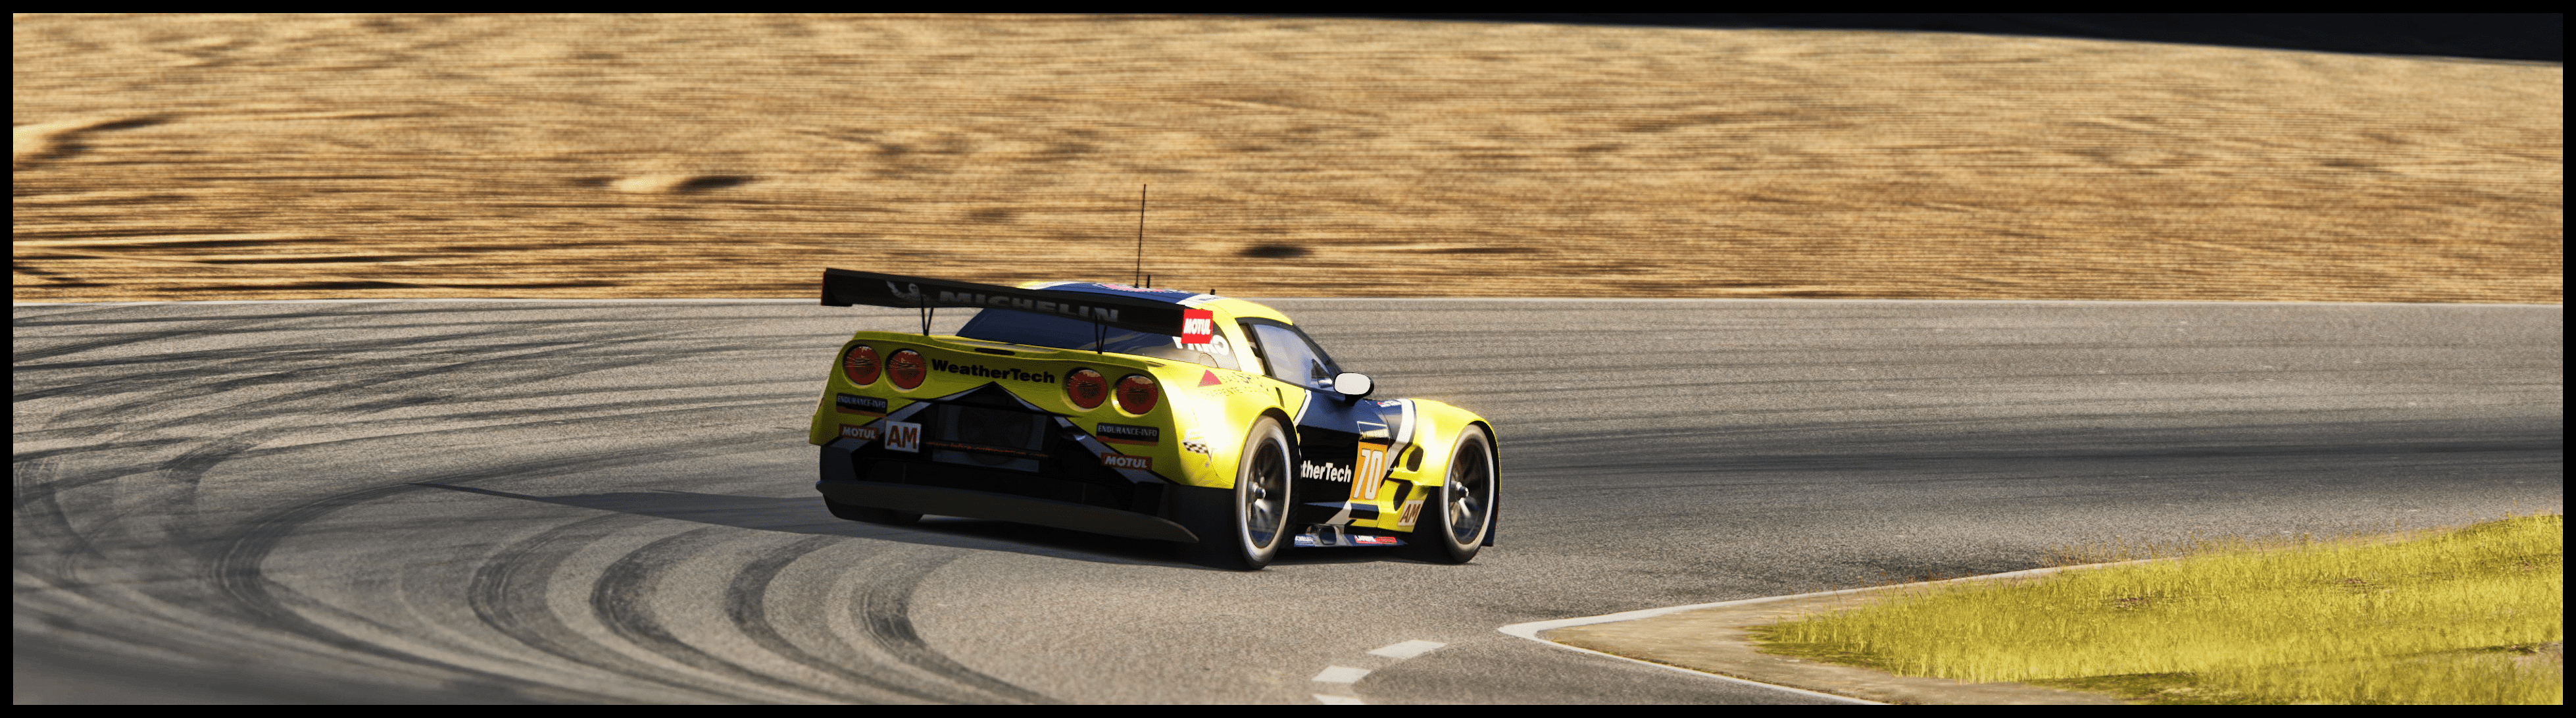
(842, 287)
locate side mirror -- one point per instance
(1353, 384)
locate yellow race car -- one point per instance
(1148, 413)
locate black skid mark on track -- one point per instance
(171, 373)
(38, 511)
(185, 380)
(218, 606)
(179, 474)
(379, 382)
(508, 593)
(26, 357)
(259, 601)
(142, 605)
(884, 610)
(33, 503)
(622, 601)
(747, 607)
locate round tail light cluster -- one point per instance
(1086, 388)
(906, 368)
(861, 365)
(1137, 394)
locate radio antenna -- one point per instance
(1140, 233)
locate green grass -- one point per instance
(2433, 617)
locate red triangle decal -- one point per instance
(1209, 379)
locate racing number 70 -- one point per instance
(1372, 473)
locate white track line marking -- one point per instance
(1341, 674)
(1340, 680)
(1729, 679)
(1407, 649)
(1532, 629)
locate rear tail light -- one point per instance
(906, 368)
(1086, 388)
(1137, 394)
(861, 365)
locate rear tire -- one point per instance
(1248, 532)
(1461, 512)
(871, 514)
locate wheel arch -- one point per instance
(1447, 424)
(1243, 434)
(1494, 445)
(1295, 447)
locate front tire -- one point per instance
(1462, 515)
(1249, 531)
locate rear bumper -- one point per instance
(941, 490)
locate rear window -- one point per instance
(1048, 330)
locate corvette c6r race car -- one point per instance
(1147, 413)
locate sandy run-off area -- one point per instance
(276, 157)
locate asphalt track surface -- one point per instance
(612, 502)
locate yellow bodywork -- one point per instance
(1203, 417)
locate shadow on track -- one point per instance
(806, 516)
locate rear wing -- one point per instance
(842, 287)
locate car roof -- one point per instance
(1235, 307)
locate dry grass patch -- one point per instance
(2468, 616)
(733, 156)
